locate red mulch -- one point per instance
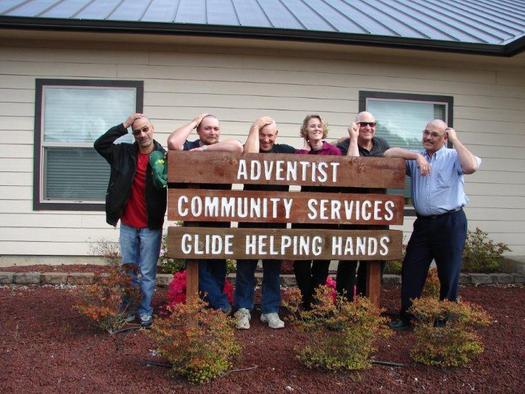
(47, 347)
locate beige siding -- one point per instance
(240, 85)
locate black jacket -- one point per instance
(123, 161)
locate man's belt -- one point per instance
(440, 214)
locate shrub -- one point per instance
(107, 249)
(291, 301)
(102, 302)
(231, 266)
(341, 334)
(394, 267)
(199, 342)
(167, 265)
(444, 332)
(482, 254)
(432, 285)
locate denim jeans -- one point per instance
(212, 275)
(141, 247)
(271, 285)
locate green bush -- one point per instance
(453, 343)
(393, 267)
(482, 254)
(199, 342)
(341, 334)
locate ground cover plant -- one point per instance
(444, 332)
(198, 342)
(341, 335)
(102, 301)
(482, 254)
(46, 346)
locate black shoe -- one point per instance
(440, 323)
(401, 324)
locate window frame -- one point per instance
(38, 150)
(364, 95)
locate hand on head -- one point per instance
(132, 118)
(198, 119)
(451, 134)
(263, 121)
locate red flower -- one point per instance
(330, 283)
(177, 289)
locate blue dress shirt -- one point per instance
(442, 190)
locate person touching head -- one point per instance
(208, 129)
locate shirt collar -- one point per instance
(438, 153)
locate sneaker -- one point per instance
(146, 321)
(272, 319)
(130, 318)
(243, 319)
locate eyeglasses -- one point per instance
(433, 134)
(364, 124)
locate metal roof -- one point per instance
(477, 26)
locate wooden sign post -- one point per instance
(206, 202)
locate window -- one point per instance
(402, 117)
(70, 116)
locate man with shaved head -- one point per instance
(441, 226)
(368, 145)
(134, 198)
(261, 139)
(212, 272)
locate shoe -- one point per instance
(272, 319)
(146, 321)
(440, 323)
(401, 324)
(227, 310)
(130, 318)
(243, 319)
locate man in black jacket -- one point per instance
(133, 198)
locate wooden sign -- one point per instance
(295, 244)
(285, 169)
(284, 207)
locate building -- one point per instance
(70, 69)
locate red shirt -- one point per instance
(135, 213)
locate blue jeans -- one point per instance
(141, 247)
(212, 275)
(271, 285)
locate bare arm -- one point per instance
(469, 162)
(179, 136)
(406, 154)
(224, 146)
(252, 141)
(353, 147)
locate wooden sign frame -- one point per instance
(196, 191)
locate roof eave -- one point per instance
(105, 26)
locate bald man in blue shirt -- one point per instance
(441, 226)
